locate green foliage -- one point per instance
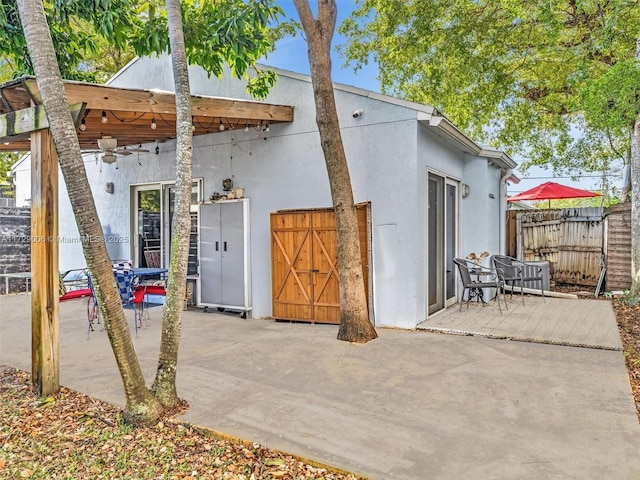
(7, 159)
(76, 29)
(521, 75)
(612, 102)
(605, 201)
(149, 200)
(235, 32)
(95, 38)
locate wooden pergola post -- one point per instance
(45, 359)
(24, 126)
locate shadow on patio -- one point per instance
(559, 321)
(408, 406)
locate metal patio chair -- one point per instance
(516, 272)
(485, 278)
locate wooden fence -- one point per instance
(617, 246)
(570, 239)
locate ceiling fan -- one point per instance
(109, 148)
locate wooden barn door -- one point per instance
(291, 266)
(304, 268)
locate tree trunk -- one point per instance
(635, 198)
(165, 382)
(355, 325)
(141, 407)
(635, 211)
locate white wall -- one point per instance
(388, 154)
(22, 181)
(481, 209)
(287, 170)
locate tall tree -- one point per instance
(635, 195)
(165, 383)
(93, 39)
(556, 82)
(355, 325)
(141, 406)
(233, 32)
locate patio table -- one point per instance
(477, 293)
(141, 272)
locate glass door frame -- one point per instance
(134, 220)
(451, 243)
(166, 205)
(444, 245)
(163, 187)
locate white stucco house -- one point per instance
(431, 192)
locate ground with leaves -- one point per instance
(72, 436)
(628, 318)
(629, 326)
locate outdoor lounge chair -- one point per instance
(485, 278)
(516, 273)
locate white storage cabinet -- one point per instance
(224, 258)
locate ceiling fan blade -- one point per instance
(138, 150)
(123, 152)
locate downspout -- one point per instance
(503, 208)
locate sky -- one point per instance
(291, 54)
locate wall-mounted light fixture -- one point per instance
(464, 189)
(108, 187)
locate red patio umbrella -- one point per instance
(552, 191)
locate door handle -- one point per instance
(225, 246)
(315, 271)
(217, 246)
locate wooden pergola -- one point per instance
(132, 117)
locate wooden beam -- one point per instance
(15, 125)
(45, 365)
(102, 97)
(23, 121)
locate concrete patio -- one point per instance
(559, 321)
(409, 405)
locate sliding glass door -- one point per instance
(147, 225)
(442, 198)
(152, 210)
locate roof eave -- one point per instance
(499, 157)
